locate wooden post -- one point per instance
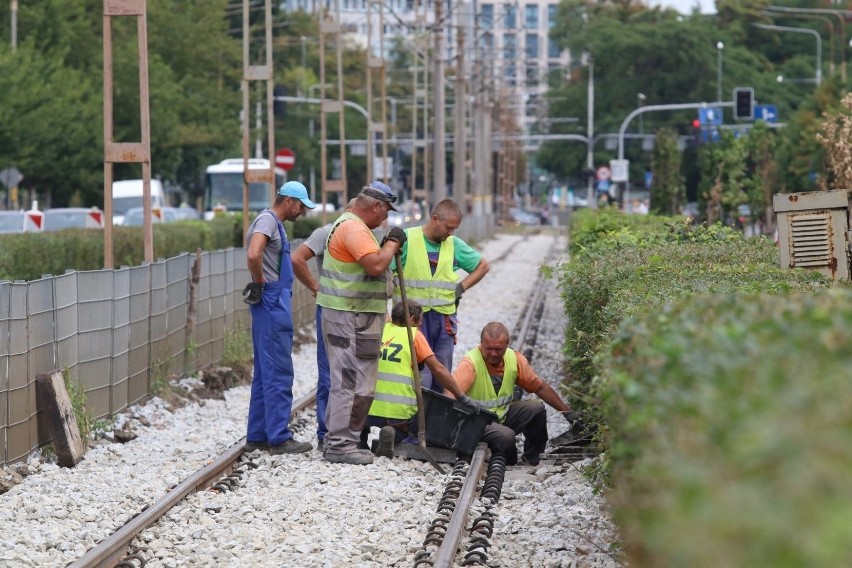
(53, 400)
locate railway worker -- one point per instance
(355, 286)
(430, 259)
(268, 295)
(394, 407)
(488, 373)
(314, 247)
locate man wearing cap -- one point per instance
(268, 295)
(430, 259)
(354, 290)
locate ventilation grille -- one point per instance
(811, 242)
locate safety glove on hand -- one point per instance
(395, 234)
(575, 419)
(459, 292)
(466, 400)
(252, 293)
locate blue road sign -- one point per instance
(769, 113)
(710, 135)
(710, 116)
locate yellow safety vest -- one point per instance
(395, 396)
(433, 292)
(346, 286)
(483, 388)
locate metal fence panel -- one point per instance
(139, 354)
(94, 322)
(41, 342)
(159, 320)
(120, 339)
(177, 299)
(21, 399)
(65, 301)
(4, 366)
(203, 333)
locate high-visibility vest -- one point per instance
(346, 286)
(433, 292)
(483, 388)
(395, 396)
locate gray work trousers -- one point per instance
(352, 341)
(527, 417)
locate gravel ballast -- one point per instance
(301, 511)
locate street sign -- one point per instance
(603, 173)
(285, 159)
(710, 116)
(11, 177)
(769, 113)
(619, 169)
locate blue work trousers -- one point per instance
(323, 378)
(440, 331)
(272, 385)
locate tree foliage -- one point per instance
(668, 193)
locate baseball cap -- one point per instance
(296, 190)
(380, 191)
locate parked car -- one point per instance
(56, 219)
(133, 216)
(184, 213)
(524, 217)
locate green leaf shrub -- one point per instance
(730, 419)
(29, 256)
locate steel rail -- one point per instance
(446, 553)
(110, 550)
(449, 546)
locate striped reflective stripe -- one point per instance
(353, 293)
(349, 277)
(394, 399)
(425, 284)
(394, 378)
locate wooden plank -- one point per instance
(54, 402)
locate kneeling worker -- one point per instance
(394, 407)
(488, 374)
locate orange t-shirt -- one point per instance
(352, 241)
(421, 347)
(465, 374)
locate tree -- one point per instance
(668, 192)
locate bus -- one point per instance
(223, 187)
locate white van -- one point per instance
(127, 194)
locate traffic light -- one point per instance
(743, 103)
(696, 123)
(279, 108)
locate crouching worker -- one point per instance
(488, 374)
(394, 407)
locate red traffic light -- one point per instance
(696, 123)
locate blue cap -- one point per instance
(296, 190)
(380, 191)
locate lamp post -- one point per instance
(640, 101)
(720, 47)
(818, 72)
(304, 71)
(14, 8)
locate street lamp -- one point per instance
(818, 72)
(304, 71)
(640, 100)
(719, 48)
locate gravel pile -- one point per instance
(300, 511)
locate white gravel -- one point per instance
(300, 511)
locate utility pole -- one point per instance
(590, 134)
(439, 161)
(459, 142)
(14, 8)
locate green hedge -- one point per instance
(624, 265)
(29, 256)
(731, 422)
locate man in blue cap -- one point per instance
(268, 295)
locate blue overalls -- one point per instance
(272, 335)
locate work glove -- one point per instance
(395, 234)
(466, 400)
(252, 293)
(459, 292)
(576, 421)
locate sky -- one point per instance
(685, 6)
